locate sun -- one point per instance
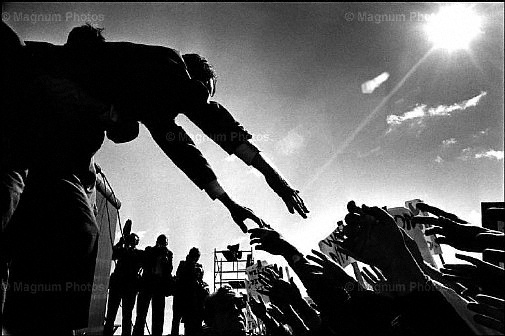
(453, 27)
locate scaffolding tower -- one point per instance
(232, 271)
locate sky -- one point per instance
(292, 74)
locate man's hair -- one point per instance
(194, 251)
(85, 36)
(198, 67)
(161, 238)
(130, 239)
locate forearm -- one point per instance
(405, 273)
(264, 166)
(306, 313)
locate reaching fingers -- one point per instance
(378, 273)
(369, 275)
(494, 255)
(471, 260)
(434, 230)
(491, 301)
(254, 218)
(424, 220)
(369, 280)
(490, 322)
(299, 205)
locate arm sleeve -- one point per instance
(219, 125)
(181, 149)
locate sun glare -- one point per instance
(453, 27)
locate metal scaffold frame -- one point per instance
(232, 273)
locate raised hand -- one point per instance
(490, 312)
(479, 274)
(457, 232)
(372, 236)
(377, 281)
(278, 290)
(270, 241)
(333, 271)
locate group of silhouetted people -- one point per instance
(145, 277)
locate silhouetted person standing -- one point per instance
(155, 285)
(190, 293)
(124, 283)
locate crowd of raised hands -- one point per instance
(398, 293)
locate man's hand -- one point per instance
(289, 195)
(479, 274)
(460, 236)
(240, 213)
(490, 312)
(280, 186)
(333, 271)
(372, 236)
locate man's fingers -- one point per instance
(258, 232)
(456, 272)
(491, 301)
(320, 255)
(462, 280)
(314, 259)
(368, 279)
(255, 219)
(378, 273)
(424, 220)
(370, 275)
(471, 260)
(489, 322)
(494, 255)
(434, 230)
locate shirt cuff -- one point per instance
(214, 189)
(246, 152)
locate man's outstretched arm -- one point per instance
(181, 149)
(218, 124)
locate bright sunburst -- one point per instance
(453, 27)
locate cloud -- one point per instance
(449, 142)
(490, 154)
(479, 153)
(291, 143)
(422, 112)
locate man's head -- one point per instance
(224, 312)
(200, 69)
(193, 255)
(162, 241)
(132, 240)
(85, 36)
